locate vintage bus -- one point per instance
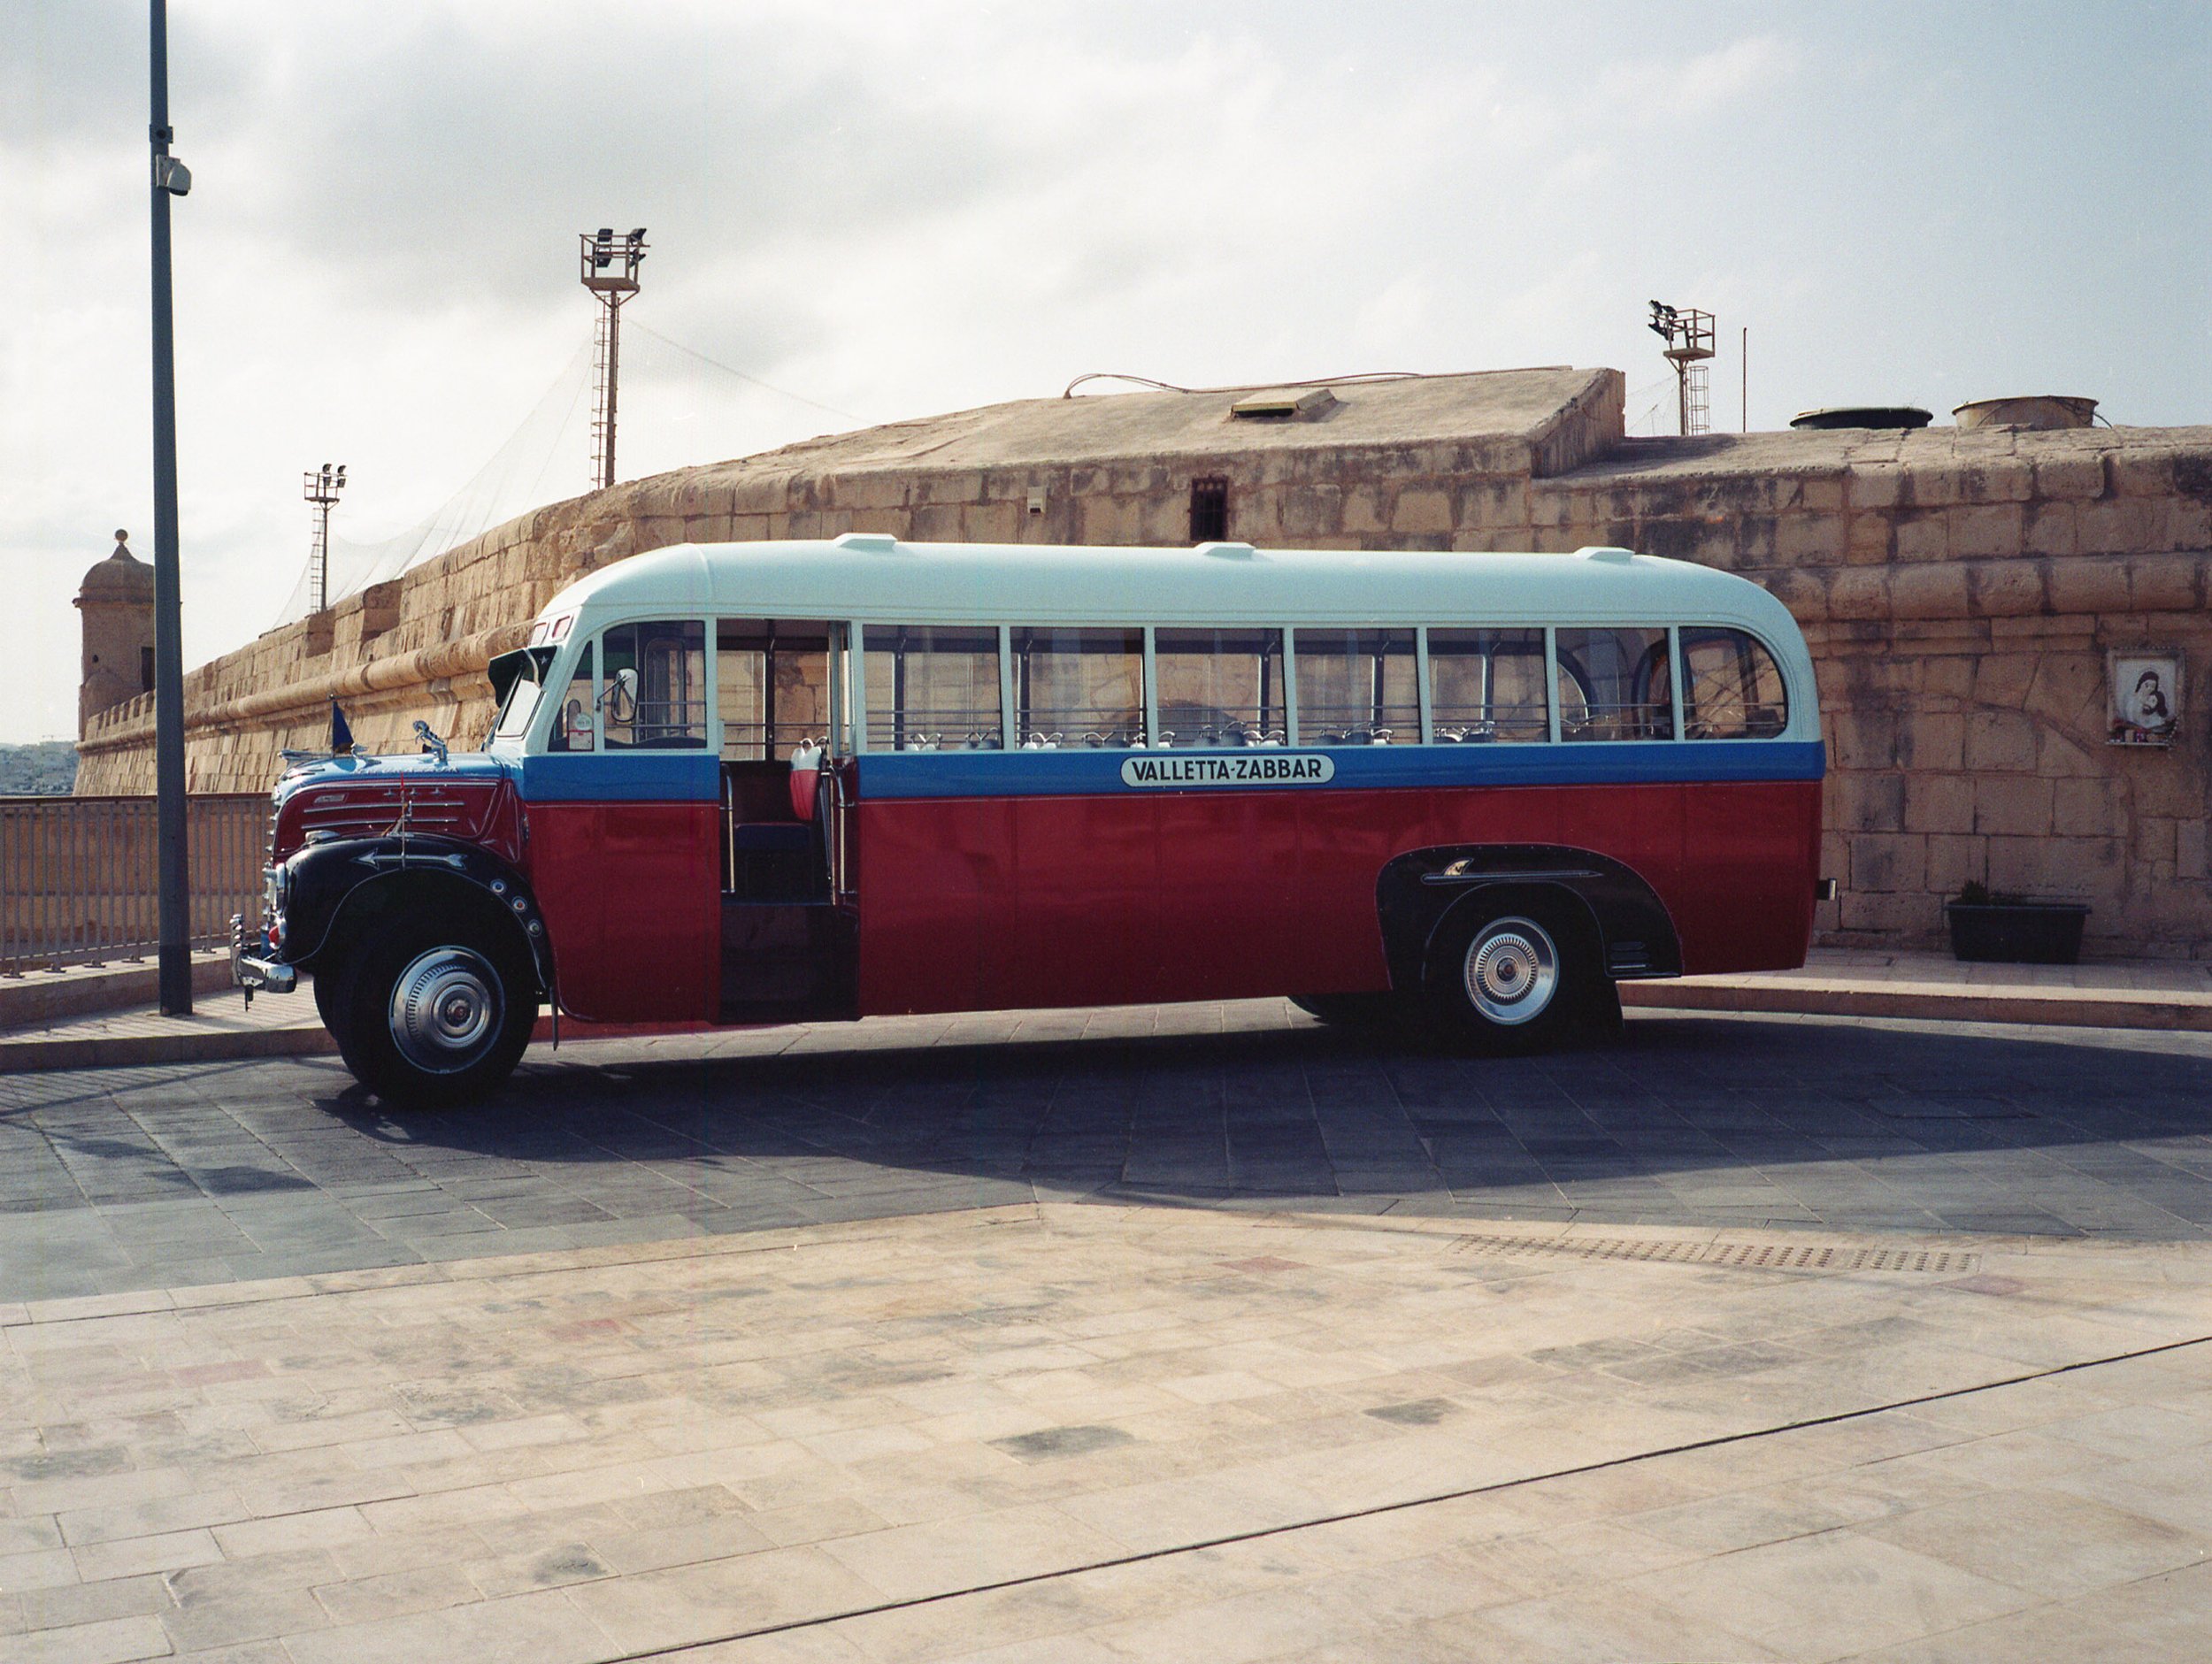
(767, 782)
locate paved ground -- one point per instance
(186, 1174)
(1085, 1434)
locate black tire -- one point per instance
(1351, 1010)
(333, 993)
(437, 1014)
(1514, 973)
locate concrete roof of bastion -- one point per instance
(1496, 404)
(1639, 461)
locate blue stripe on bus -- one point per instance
(622, 776)
(1043, 773)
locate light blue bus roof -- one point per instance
(876, 579)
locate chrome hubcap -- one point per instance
(445, 1009)
(1512, 970)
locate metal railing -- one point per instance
(77, 876)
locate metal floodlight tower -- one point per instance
(610, 272)
(322, 487)
(1689, 334)
(173, 869)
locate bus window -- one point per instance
(1357, 687)
(1488, 685)
(1078, 688)
(1732, 688)
(1218, 687)
(668, 710)
(1623, 682)
(578, 721)
(772, 685)
(932, 688)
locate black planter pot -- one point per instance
(2017, 933)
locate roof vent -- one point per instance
(868, 542)
(1594, 552)
(1228, 551)
(1285, 404)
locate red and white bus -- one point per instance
(750, 782)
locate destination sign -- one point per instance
(1243, 768)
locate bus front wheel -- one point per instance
(1514, 976)
(437, 1015)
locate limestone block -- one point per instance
(1931, 741)
(942, 523)
(2189, 522)
(1949, 678)
(992, 522)
(2069, 478)
(1858, 592)
(2049, 528)
(1875, 487)
(2067, 869)
(1999, 739)
(1869, 539)
(1954, 861)
(2118, 525)
(1921, 536)
(1984, 530)
(1936, 590)
(1865, 740)
(1938, 803)
(1808, 538)
(1422, 509)
(870, 490)
(1863, 801)
(2190, 857)
(2067, 691)
(1888, 861)
(1821, 494)
(1313, 513)
(2002, 681)
(2086, 808)
(748, 528)
(1490, 502)
(2142, 474)
(2000, 481)
(1803, 593)
(1549, 506)
(2007, 588)
(1930, 485)
(1106, 521)
(2155, 839)
(2012, 805)
(2165, 583)
(1362, 510)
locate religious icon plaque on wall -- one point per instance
(2144, 697)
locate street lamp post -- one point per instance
(171, 178)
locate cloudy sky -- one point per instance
(882, 209)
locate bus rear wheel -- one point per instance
(1518, 975)
(436, 1015)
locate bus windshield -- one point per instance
(523, 694)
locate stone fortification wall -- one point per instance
(1960, 590)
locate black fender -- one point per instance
(328, 884)
(1418, 890)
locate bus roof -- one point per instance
(874, 578)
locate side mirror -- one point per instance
(620, 697)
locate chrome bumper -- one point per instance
(250, 971)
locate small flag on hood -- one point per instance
(340, 735)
